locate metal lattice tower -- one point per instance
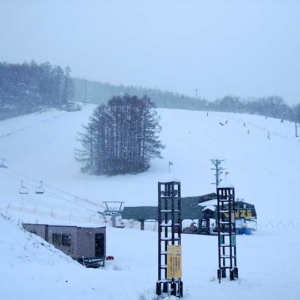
(169, 237)
(218, 169)
(226, 233)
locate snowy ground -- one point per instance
(264, 172)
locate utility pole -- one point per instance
(196, 92)
(296, 129)
(85, 92)
(218, 169)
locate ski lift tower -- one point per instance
(113, 207)
(2, 165)
(169, 239)
(226, 233)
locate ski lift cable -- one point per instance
(60, 197)
(37, 180)
(19, 179)
(60, 190)
(23, 189)
(69, 194)
(18, 173)
(44, 184)
(48, 192)
(12, 176)
(31, 178)
(21, 174)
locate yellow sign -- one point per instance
(174, 261)
(241, 213)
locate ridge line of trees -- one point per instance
(30, 87)
(270, 106)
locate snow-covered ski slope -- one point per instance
(264, 171)
(40, 147)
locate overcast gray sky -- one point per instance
(248, 48)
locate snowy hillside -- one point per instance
(264, 171)
(40, 148)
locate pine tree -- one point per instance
(68, 86)
(121, 137)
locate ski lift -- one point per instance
(23, 189)
(2, 165)
(40, 189)
(113, 208)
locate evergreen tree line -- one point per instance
(121, 137)
(29, 87)
(271, 106)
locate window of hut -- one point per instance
(56, 238)
(66, 240)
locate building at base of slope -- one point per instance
(200, 212)
(87, 245)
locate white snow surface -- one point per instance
(264, 172)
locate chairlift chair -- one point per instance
(23, 189)
(40, 189)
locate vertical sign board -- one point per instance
(174, 261)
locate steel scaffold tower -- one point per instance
(226, 233)
(169, 233)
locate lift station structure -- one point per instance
(195, 208)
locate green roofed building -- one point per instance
(192, 208)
